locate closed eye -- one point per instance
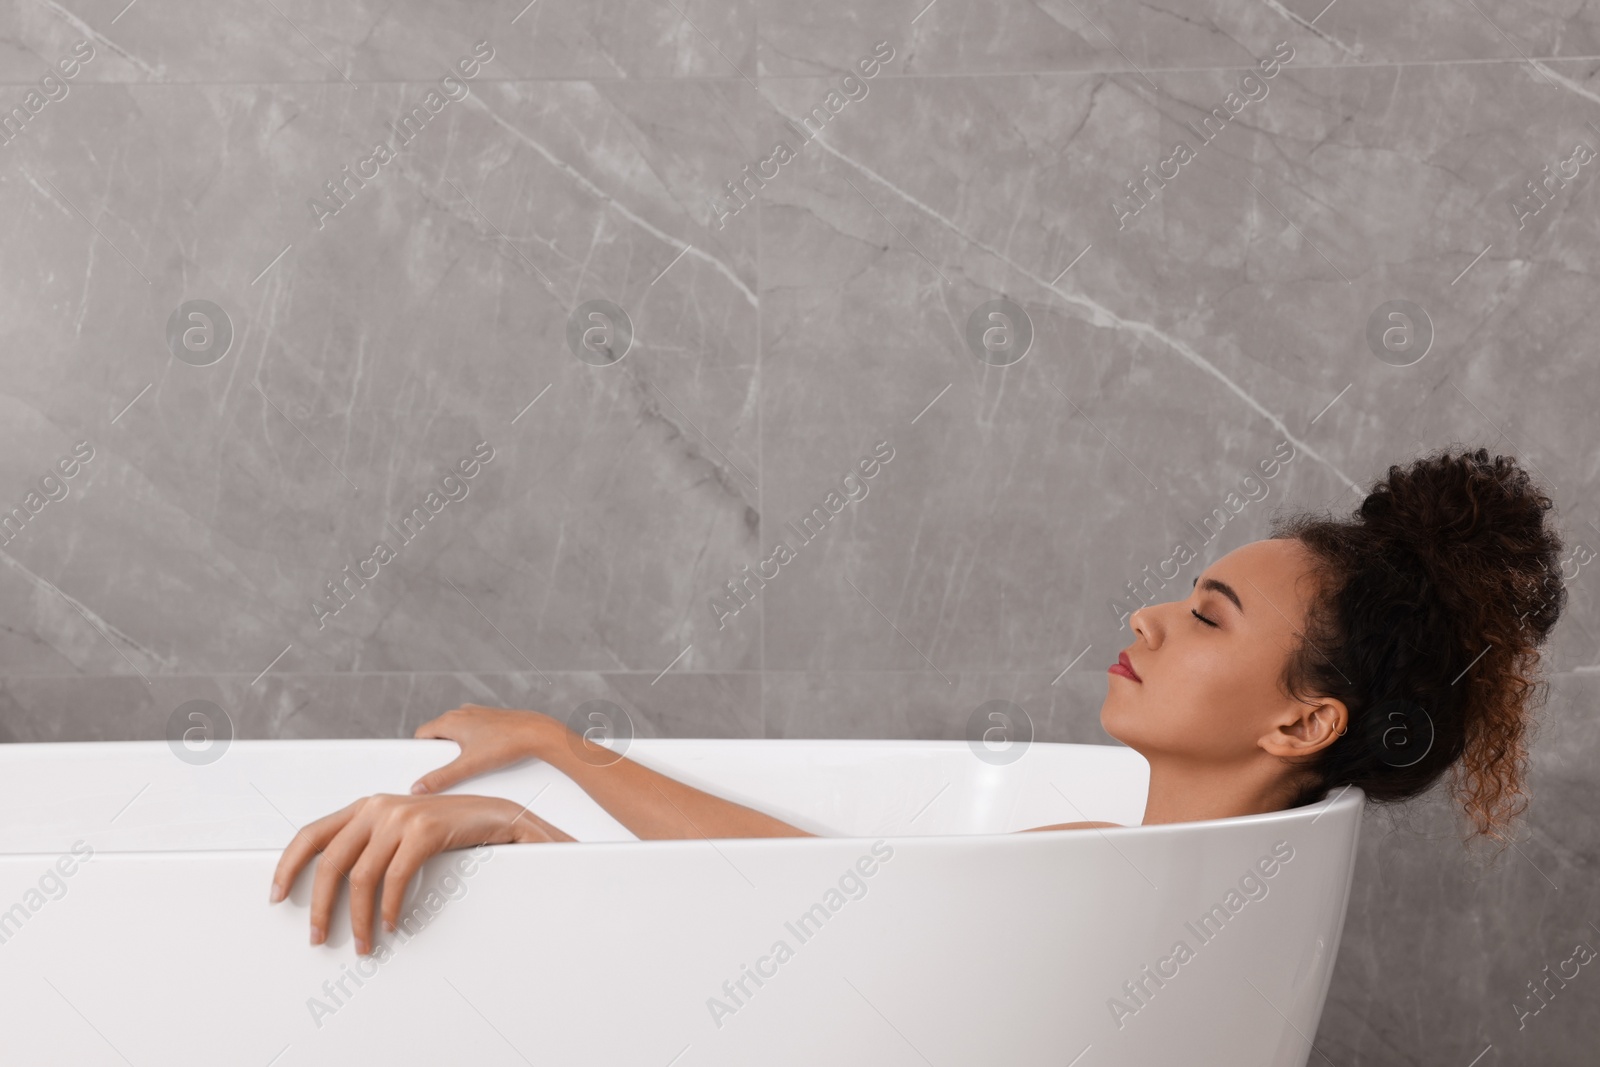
(1201, 617)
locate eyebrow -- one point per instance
(1221, 587)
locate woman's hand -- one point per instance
(388, 838)
(490, 738)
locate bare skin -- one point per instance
(1207, 714)
(386, 838)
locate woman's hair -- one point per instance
(1432, 601)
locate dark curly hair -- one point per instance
(1432, 601)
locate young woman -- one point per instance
(1377, 651)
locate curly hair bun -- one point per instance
(1434, 598)
(1478, 527)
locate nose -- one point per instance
(1143, 623)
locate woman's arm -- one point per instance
(650, 804)
(387, 838)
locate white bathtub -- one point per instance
(964, 946)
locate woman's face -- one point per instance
(1212, 692)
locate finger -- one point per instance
(462, 767)
(338, 857)
(439, 726)
(408, 859)
(551, 831)
(308, 841)
(364, 877)
(432, 727)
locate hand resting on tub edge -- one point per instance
(1325, 656)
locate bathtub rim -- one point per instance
(1347, 802)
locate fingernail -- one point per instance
(316, 935)
(419, 788)
(361, 947)
(389, 926)
(277, 893)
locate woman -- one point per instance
(1378, 651)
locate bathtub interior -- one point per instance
(138, 796)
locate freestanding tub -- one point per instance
(137, 931)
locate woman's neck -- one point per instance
(1184, 791)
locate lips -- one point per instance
(1126, 667)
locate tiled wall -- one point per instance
(586, 152)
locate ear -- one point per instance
(1307, 728)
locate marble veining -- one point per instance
(275, 343)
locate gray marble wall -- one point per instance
(373, 316)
